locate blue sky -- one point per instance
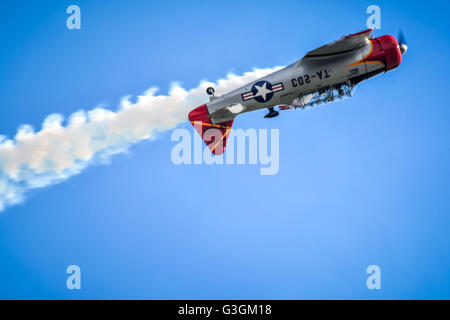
(361, 182)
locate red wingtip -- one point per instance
(216, 135)
(367, 31)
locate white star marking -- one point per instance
(262, 91)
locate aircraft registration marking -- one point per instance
(306, 78)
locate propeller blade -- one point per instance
(401, 37)
(402, 42)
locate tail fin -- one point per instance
(214, 135)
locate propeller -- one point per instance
(402, 42)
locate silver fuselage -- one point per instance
(301, 78)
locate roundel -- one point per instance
(262, 91)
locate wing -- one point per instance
(346, 44)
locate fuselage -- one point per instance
(325, 74)
(309, 75)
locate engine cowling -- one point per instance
(387, 51)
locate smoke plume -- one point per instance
(62, 149)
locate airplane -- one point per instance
(323, 75)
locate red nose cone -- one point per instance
(392, 53)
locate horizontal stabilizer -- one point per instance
(214, 135)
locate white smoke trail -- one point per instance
(56, 152)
